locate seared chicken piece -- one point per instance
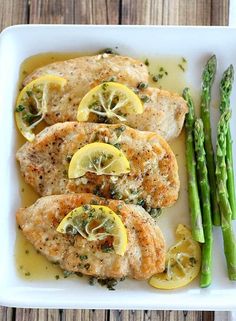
(144, 255)
(164, 113)
(153, 179)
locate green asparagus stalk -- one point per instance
(194, 202)
(225, 91)
(204, 188)
(225, 209)
(208, 77)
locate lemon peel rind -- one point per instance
(163, 281)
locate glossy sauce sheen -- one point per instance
(33, 266)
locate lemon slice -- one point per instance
(99, 158)
(96, 223)
(183, 262)
(31, 104)
(109, 100)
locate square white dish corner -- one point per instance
(20, 42)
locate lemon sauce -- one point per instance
(164, 72)
(30, 264)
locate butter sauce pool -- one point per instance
(170, 72)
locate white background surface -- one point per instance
(18, 43)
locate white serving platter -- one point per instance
(20, 42)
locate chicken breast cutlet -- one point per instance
(153, 179)
(164, 112)
(144, 255)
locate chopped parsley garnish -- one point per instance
(110, 283)
(68, 158)
(30, 118)
(104, 86)
(145, 98)
(108, 51)
(19, 108)
(141, 202)
(67, 274)
(146, 62)
(155, 212)
(83, 257)
(181, 67)
(92, 280)
(155, 78)
(112, 79)
(142, 85)
(29, 93)
(117, 145)
(162, 72)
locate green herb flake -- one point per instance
(110, 51)
(145, 98)
(86, 207)
(141, 202)
(29, 93)
(146, 62)
(68, 158)
(66, 274)
(104, 86)
(57, 277)
(117, 145)
(30, 118)
(19, 108)
(181, 67)
(155, 212)
(83, 257)
(155, 78)
(92, 280)
(142, 85)
(110, 283)
(112, 79)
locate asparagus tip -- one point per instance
(228, 74)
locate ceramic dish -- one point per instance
(20, 42)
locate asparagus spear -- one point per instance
(225, 210)
(204, 188)
(208, 76)
(194, 202)
(225, 91)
